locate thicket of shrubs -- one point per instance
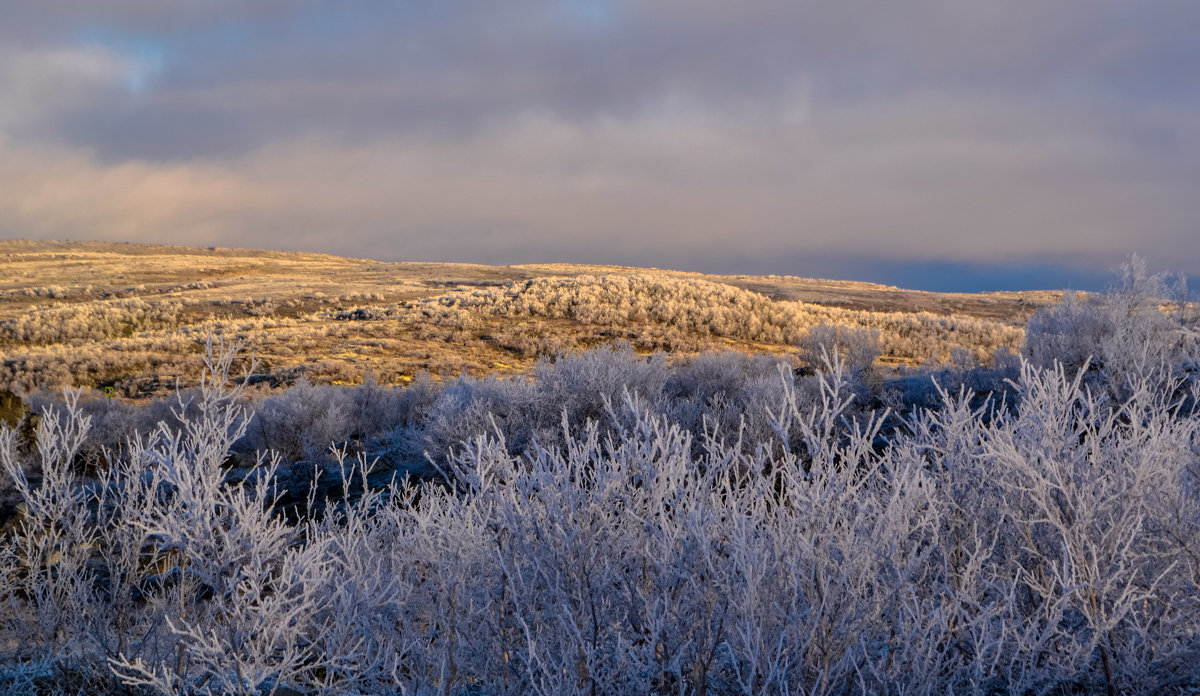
(707, 308)
(88, 321)
(616, 524)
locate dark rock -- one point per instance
(16, 414)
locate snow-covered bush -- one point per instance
(301, 422)
(571, 390)
(858, 347)
(1142, 328)
(724, 393)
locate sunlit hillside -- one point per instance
(127, 316)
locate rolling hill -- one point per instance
(128, 316)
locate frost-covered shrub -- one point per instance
(724, 393)
(89, 320)
(1142, 328)
(1069, 333)
(241, 590)
(376, 410)
(573, 389)
(859, 348)
(469, 406)
(302, 422)
(567, 391)
(45, 560)
(115, 422)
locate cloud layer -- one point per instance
(759, 136)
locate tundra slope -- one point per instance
(128, 316)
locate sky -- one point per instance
(939, 144)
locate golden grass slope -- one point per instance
(128, 316)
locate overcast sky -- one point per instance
(931, 143)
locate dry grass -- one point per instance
(125, 315)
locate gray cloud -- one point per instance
(727, 136)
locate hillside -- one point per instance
(128, 315)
